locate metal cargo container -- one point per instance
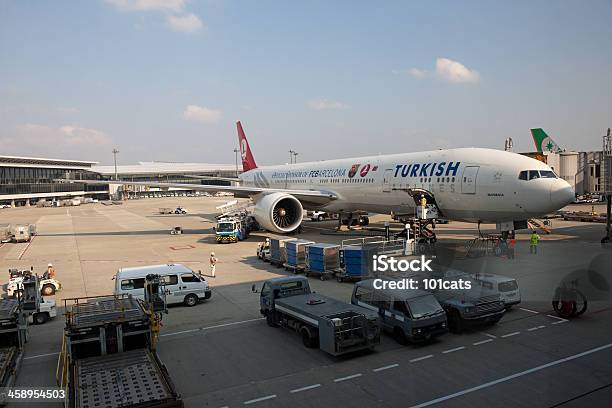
(296, 253)
(278, 252)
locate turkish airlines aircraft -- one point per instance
(467, 184)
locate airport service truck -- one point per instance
(13, 336)
(231, 229)
(335, 327)
(108, 356)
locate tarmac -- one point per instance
(220, 353)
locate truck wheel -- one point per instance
(191, 300)
(41, 318)
(270, 319)
(309, 337)
(363, 221)
(320, 218)
(48, 290)
(399, 336)
(455, 324)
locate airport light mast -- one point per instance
(115, 151)
(236, 150)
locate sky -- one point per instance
(166, 80)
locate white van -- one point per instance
(182, 285)
(506, 286)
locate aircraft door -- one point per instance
(468, 182)
(386, 186)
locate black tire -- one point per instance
(364, 221)
(41, 318)
(270, 319)
(190, 300)
(322, 277)
(47, 290)
(455, 324)
(309, 337)
(400, 336)
(320, 218)
(340, 279)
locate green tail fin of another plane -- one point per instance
(543, 142)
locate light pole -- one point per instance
(115, 151)
(236, 150)
(291, 152)
(295, 157)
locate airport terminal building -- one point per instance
(25, 181)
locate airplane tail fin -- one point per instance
(248, 162)
(543, 142)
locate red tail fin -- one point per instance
(248, 162)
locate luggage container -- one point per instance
(356, 256)
(323, 260)
(296, 254)
(5, 233)
(278, 252)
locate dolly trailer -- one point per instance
(335, 327)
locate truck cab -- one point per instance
(409, 315)
(477, 305)
(279, 288)
(230, 229)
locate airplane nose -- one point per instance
(561, 194)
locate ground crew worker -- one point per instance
(423, 206)
(213, 264)
(533, 242)
(511, 245)
(50, 271)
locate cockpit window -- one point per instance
(547, 174)
(534, 174)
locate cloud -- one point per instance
(64, 136)
(454, 71)
(326, 104)
(176, 6)
(202, 114)
(417, 73)
(446, 70)
(189, 23)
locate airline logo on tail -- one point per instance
(248, 162)
(543, 142)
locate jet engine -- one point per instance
(278, 212)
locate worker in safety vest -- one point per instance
(213, 264)
(534, 240)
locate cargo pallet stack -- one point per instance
(323, 260)
(296, 255)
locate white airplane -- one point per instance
(467, 184)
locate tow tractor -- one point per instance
(36, 308)
(48, 285)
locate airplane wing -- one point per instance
(317, 197)
(233, 179)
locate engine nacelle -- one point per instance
(278, 212)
